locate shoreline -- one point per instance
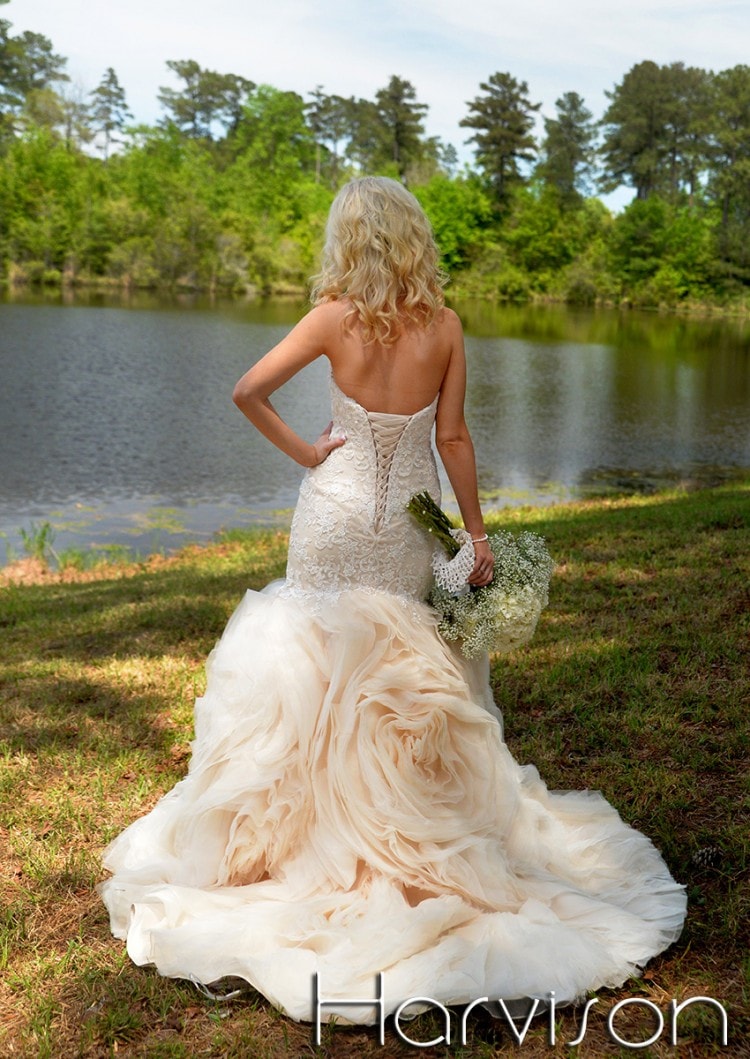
(92, 564)
(72, 292)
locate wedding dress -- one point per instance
(351, 807)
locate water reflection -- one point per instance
(111, 410)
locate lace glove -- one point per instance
(452, 575)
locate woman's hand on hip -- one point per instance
(326, 444)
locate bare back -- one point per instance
(400, 378)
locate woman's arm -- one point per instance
(304, 344)
(457, 452)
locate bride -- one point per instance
(351, 809)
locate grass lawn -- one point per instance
(636, 684)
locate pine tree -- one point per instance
(27, 65)
(207, 98)
(109, 111)
(567, 154)
(328, 121)
(503, 119)
(656, 130)
(401, 122)
(730, 164)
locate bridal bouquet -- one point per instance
(499, 616)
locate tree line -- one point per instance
(230, 189)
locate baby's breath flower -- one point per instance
(502, 615)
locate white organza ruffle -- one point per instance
(351, 808)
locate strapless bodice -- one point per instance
(351, 528)
(386, 430)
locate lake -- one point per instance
(117, 424)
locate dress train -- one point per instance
(351, 808)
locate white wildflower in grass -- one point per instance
(497, 617)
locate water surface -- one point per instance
(117, 426)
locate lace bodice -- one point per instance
(351, 528)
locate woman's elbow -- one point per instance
(447, 444)
(243, 393)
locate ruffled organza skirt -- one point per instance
(351, 808)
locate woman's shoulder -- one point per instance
(323, 321)
(333, 318)
(331, 311)
(448, 327)
(448, 318)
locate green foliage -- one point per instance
(588, 279)
(273, 145)
(460, 213)
(27, 63)
(268, 193)
(38, 541)
(42, 200)
(730, 180)
(544, 248)
(230, 191)
(541, 237)
(662, 253)
(656, 130)
(159, 215)
(494, 276)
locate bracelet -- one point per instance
(479, 540)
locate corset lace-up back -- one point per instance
(387, 429)
(351, 528)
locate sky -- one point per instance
(353, 47)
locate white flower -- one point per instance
(502, 615)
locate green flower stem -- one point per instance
(434, 520)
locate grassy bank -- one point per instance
(636, 684)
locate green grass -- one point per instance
(637, 684)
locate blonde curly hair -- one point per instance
(381, 254)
